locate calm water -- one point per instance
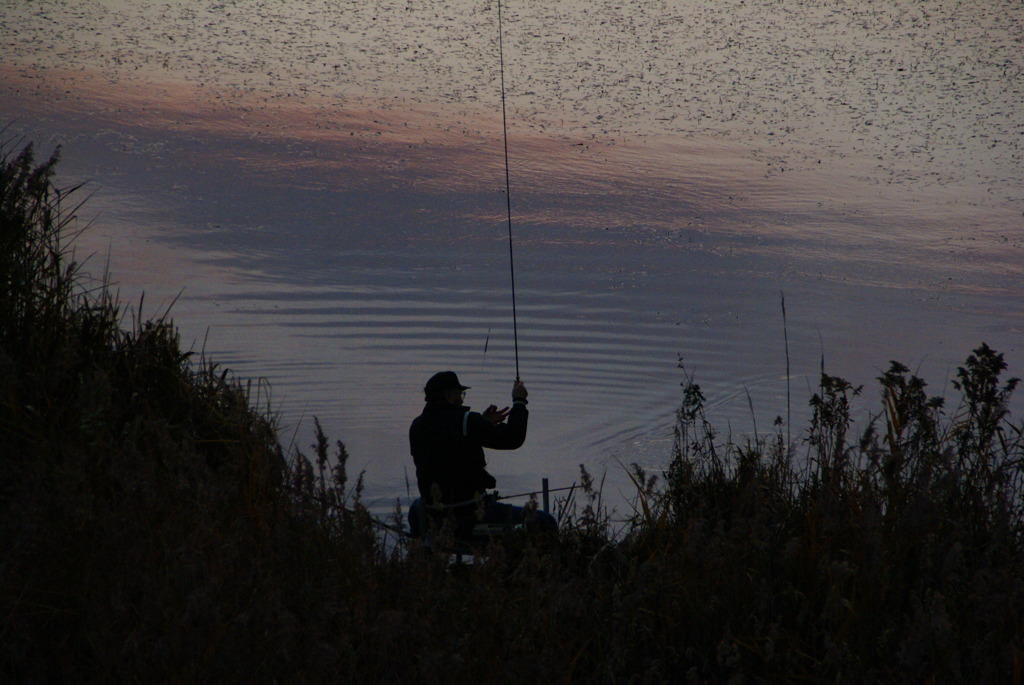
(323, 183)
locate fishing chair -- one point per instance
(425, 524)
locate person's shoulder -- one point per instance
(438, 412)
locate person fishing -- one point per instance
(447, 443)
(447, 440)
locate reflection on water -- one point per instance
(325, 181)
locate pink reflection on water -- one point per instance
(654, 186)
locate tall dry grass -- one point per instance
(894, 555)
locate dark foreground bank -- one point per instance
(154, 529)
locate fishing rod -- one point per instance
(508, 190)
(536, 492)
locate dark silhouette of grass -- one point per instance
(895, 558)
(155, 530)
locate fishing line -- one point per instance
(508, 191)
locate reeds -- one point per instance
(153, 529)
(895, 557)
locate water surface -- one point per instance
(321, 187)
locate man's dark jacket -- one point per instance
(447, 444)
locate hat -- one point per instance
(441, 383)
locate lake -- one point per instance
(319, 189)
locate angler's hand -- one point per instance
(519, 391)
(495, 415)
